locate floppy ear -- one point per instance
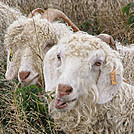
(50, 69)
(109, 82)
(108, 39)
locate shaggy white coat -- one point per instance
(127, 56)
(25, 39)
(99, 106)
(7, 16)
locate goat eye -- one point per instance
(11, 56)
(98, 63)
(58, 57)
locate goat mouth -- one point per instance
(61, 104)
(29, 82)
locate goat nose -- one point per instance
(64, 89)
(23, 75)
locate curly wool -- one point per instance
(115, 116)
(98, 118)
(33, 33)
(7, 16)
(127, 56)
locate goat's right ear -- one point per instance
(50, 70)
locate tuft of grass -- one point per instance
(130, 15)
(24, 110)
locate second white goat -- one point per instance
(27, 37)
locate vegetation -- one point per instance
(24, 110)
(130, 15)
(112, 18)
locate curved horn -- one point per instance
(51, 14)
(38, 10)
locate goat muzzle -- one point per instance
(23, 75)
(64, 90)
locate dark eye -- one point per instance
(98, 63)
(11, 56)
(58, 57)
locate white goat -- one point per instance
(7, 16)
(127, 56)
(25, 39)
(87, 77)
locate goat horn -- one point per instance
(38, 10)
(52, 14)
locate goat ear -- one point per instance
(108, 84)
(108, 39)
(50, 69)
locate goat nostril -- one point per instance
(23, 75)
(64, 89)
(69, 91)
(28, 73)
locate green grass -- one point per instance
(24, 110)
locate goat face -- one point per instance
(81, 73)
(25, 53)
(29, 70)
(27, 63)
(21, 62)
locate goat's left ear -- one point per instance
(108, 39)
(108, 84)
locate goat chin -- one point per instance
(84, 116)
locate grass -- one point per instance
(24, 110)
(110, 18)
(93, 16)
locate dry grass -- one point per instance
(106, 15)
(93, 16)
(113, 22)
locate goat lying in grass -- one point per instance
(91, 96)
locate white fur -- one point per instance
(126, 54)
(99, 106)
(26, 38)
(7, 16)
